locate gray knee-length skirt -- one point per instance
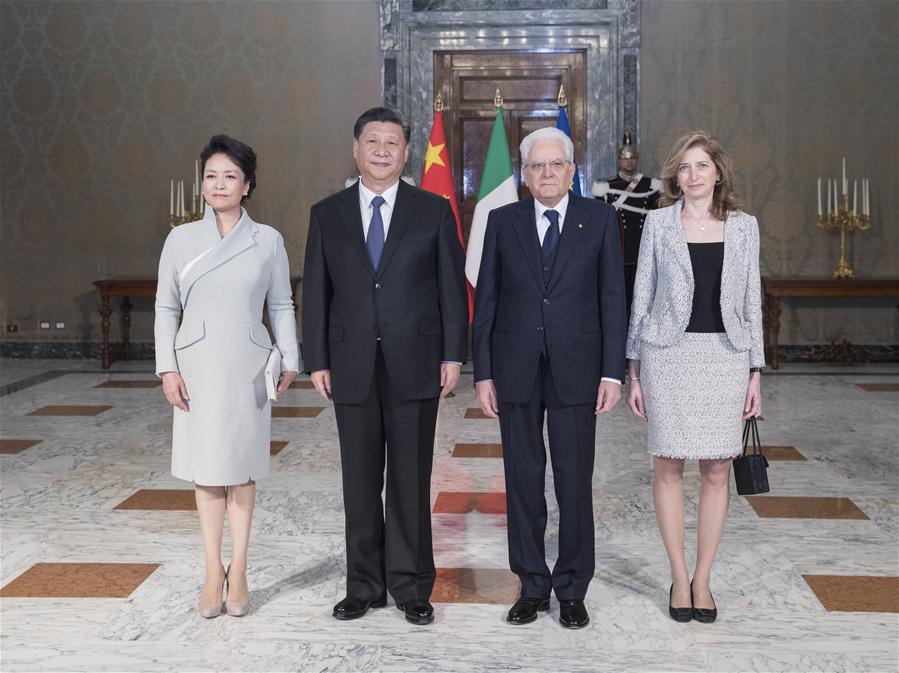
(694, 393)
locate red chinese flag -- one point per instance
(438, 178)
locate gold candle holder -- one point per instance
(844, 220)
(195, 214)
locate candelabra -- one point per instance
(840, 216)
(196, 213)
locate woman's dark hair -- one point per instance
(381, 114)
(240, 154)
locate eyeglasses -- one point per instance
(554, 166)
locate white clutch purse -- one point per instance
(273, 372)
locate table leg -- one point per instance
(126, 327)
(105, 312)
(771, 323)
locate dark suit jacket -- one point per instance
(579, 314)
(416, 302)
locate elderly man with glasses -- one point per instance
(548, 340)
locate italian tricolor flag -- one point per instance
(497, 189)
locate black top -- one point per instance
(707, 260)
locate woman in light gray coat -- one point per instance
(695, 351)
(214, 275)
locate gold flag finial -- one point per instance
(438, 103)
(563, 99)
(497, 98)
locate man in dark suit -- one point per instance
(385, 322)
(549, 335)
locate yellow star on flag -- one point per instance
(433, 156)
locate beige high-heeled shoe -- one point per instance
(214, 609)
(234, 608)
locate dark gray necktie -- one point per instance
(375, 240)
(551, 237)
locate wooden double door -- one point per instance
(529, 83)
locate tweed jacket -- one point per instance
(663, 290)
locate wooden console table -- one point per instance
(775, 288)
(127, 287)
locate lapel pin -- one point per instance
(580, 226)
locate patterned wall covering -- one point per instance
(104, 102)
(789, 88)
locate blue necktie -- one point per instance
(551, 237)
(375, 239)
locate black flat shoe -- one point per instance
(680, 614)
(353, 608)
(525, 610)
(573, 614)
(418, 611)
(704, 615)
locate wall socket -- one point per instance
(45, 324)
(60, 324)
(11, 327)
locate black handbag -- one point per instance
(751, 469)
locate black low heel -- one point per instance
(703, 615)
(680, 614)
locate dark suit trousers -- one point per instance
(388, 549)
(572, 432)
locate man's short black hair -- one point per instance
(381, 114)
(242, 155)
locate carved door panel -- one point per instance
(529, 83)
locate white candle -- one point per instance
(819, 197)
(172, 197)
(183, 203)
(867, 196)
(845, 183)
(828, 197)
(178, 201)
(836, 198)
(196, 176)
(854, 197)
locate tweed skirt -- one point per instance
(694, 393)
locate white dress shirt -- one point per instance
(365, 197)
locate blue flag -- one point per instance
(562, 125)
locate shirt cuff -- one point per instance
(611, 380)
(451, 362)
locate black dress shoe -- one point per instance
(573, 613)
(418, 611)
(679, 614)
(353, 608)
(704, 615)
(525, 610)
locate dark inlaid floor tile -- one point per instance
(854, 593)
(71, 410)
(296, 412)
(463, 450)
(782, 453)
(17, 445)
(165, 499)
(149, 383)
(475, 585)
(475, 412)
(449, 502)
(302, 385)
(879, 387)
(783, 507)
(79, 580)
(275, 447)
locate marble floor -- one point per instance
(102, 562)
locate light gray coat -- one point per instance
(216, 287)
(663, 290)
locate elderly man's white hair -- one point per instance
(547, 133)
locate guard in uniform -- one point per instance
(633, 195)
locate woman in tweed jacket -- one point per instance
(695, 351)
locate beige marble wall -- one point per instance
(789, 87)
(104, 102)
